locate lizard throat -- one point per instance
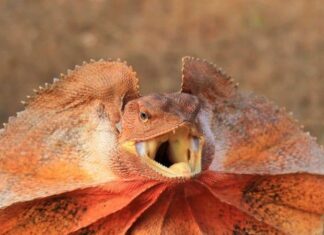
(174, 154)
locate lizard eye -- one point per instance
(143, 116)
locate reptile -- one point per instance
(90, 155)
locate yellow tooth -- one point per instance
(152, 147)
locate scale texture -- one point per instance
(63, 170)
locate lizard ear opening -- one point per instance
(205, 80)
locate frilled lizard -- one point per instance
(89, 155)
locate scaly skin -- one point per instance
(74, 161)
(64, 137)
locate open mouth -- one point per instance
(174, 154)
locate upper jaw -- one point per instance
(174, 154)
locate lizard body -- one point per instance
(89, 155)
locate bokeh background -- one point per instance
(274, 48)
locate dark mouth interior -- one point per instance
(162, 155)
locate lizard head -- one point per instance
(162, 132)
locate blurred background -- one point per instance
(274, 48)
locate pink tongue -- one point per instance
(181, 167)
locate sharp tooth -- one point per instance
(151, 148)
(141, 149)
(195, 144)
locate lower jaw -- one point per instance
(176, 170)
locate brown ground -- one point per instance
(275, 48)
